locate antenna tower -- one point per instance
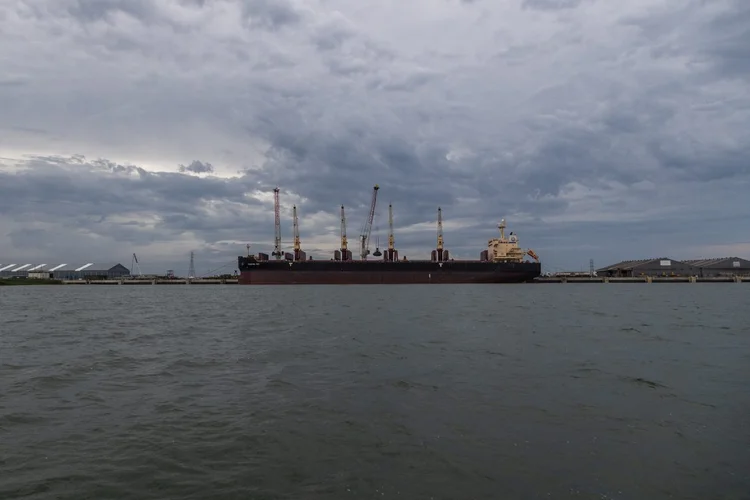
(191, 271)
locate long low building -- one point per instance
(64, 271)
(665, 266)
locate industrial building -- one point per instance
(664, 266)
(89, 270)
(725, 266)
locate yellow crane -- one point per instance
(439, 254)
(391, 255)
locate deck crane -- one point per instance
(277, 224)
(344, 253)
(367, 228)
(439, 254)
(298, 253)
(391, 255)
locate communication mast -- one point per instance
(391, 255)
(277, 225)
(439, 254)
(367, 228)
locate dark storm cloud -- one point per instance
(197, 167)
(487, 109)
(116, 200)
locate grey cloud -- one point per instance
(95, 10)
(197, 167)
(270, 14)
(596, 149)
(550, 4)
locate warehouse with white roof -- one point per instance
(65, 271)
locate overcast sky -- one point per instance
(598, 129)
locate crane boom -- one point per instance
(391, 239)
(440, 230)
(367, 229)
(439, 254)
(277, 225)
(297, 246)
(343, 230)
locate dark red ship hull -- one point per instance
(254, 272)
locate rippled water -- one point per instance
(452, 392)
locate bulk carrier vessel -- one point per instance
(502, 262)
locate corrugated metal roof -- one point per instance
(81, 266)
(720, 262)
(632, 264)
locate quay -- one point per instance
(644, 279)
(195, 281)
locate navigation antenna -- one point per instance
(367, 228)
(277, 225)
(134, 265)
(191, 271)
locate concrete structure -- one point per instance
(725, 266)
(86, 270)
(665, 267)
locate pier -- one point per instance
(196, 281)
(645, 279)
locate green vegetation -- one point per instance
(27, 282)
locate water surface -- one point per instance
(622, 391)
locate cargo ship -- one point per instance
(502, 262)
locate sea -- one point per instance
(535, 391)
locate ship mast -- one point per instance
(367, 229)
(277, 225)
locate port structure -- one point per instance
(277, 225)
(298, 253)
(391, 254)
(364, 238)
(343, 253)
(439, 254)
